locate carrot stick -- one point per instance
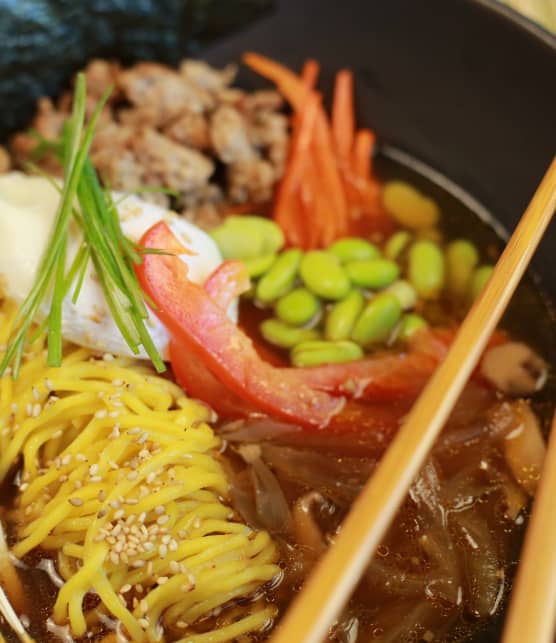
(362, 150)
(329, 175)
(343, 116)
(310, 73)
(286, 210)
(290, 85)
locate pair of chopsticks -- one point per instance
(333, 580)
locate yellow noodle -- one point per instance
(120, 477)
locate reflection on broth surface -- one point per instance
(132, 513)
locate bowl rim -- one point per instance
(519, 19)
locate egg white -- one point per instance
(28, 206)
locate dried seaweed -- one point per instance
(43, 42)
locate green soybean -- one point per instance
(322, 274)
(259, 265)
(298, 307)
(353, 249)
(284, 336)
(404, 292)
(478, 280)
(372, 273)
(315, 353)
(426, 268)
(377, 320)
(396, 244)
(408, 206)
(342, 316)
(410, 324)
(461, 259)
(281, 277)
(247, 237)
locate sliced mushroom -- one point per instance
(514, 368)
(307, 532)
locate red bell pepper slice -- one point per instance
(227, 282)
(197, 322)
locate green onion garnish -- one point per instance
(113, 255)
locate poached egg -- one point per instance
(28, 206)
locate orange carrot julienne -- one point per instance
(343, 116)
(291, 85)
(327, 166)
(310, 73)
(362, 151)
(286, 209)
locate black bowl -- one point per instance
(467, 87)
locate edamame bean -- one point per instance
(461, 259)
(426, 269)
(409, 325)
(247, 237)
(343, 315)
(320, 352)
(404, 293)
(322, 274)
(298, 307)
(478, 280)
(408, 206)
(281, 276)
(377, 320)
(396, 244)
(372, 273)
(284, 336)
(259, 265)
(353, 249)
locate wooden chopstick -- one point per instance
(328, 588)
(532, 613)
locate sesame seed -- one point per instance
(161, 580)
(36, 394)
(93, 469)
(101, 414)
(142, 516)
(174, 566)
(119, 514)
(48, 384)
(138, 563)
(132, 501)
(162, 520)
(14, 407)
(139, 588)
(78, 484)
(80, 457)
(187, 587)
(150, 568)
(76, 502)
(115, 504)
(173, 545)
(181, 624)
(108, 357)
(115, 432)
(162, 551)
(144, 606)
(102, 513)
(143, 623)
(102, 495)
(66, 459)
(143, 438)
(148, 546)
(132, 475)
(29, 409)
(114, 558)
(160, 509)
(134, 431)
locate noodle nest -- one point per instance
(120, 482)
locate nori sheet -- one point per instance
(43, 42)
